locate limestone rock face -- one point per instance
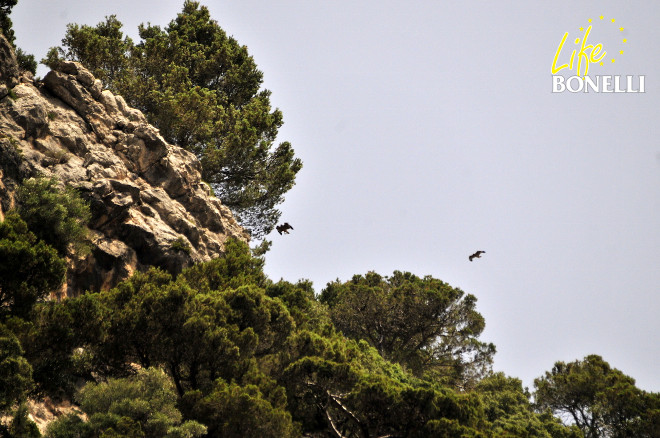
(144, 193)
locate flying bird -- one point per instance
(284, 228)
(476, 255)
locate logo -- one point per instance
(599, 46)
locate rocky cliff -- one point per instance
(144, 193)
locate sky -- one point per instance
(429, 130)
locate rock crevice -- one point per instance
(144, 193)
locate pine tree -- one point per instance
(202, 89)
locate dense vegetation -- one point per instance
(202, 90)
(220, 350)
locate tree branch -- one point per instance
(335, 399)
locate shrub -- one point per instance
(141, 405)
(180, 245)
(15, 371)
(29, 269)
(56, 216)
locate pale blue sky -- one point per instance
(428, 130)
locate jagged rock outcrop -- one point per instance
(145, 194)
(9, 71)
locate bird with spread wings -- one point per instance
(284, 228)
(476, 255)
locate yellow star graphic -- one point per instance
(581, 29)
(589, 20)
(625, 40)
(601, 17)
(601, 63)
(621, 29)
(612, 20)
(621, 52)
(613, 59)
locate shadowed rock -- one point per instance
(9, 71)
(144, 193)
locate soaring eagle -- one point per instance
(476, 255)
(284, 228)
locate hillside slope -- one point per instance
(144, 193)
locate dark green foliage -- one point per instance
(234, 411)
(75, 325)
(202, 90)
(143, 405)
(243, 356)
(599, 399)
(70, 426)
(180, 245)
(26, 61)
(247, 357)
(299, 299)
(236, 268)
(21, 426)
(29, 268)
(422, 323)
(222, 350)
(411, 409)
(15, 371)
(5, 22)
(102, 49)
(334, 383)
(510, 413)
(198, 334)
(56, 216)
